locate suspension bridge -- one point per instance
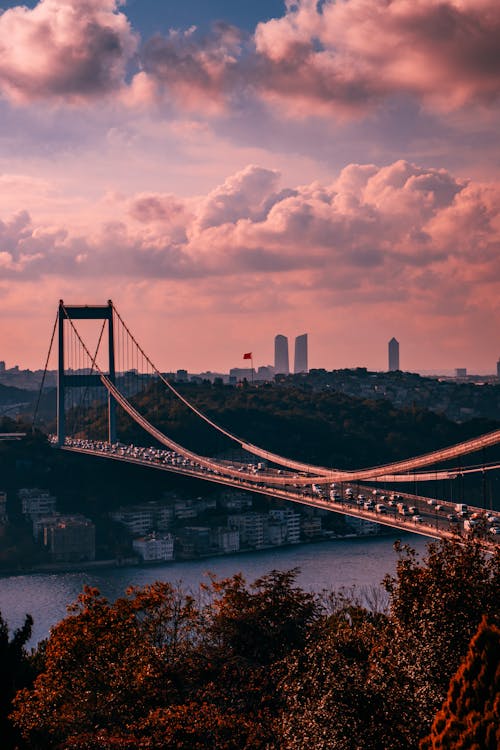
(94, 381)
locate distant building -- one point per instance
(141, 519)
(265, 372)
(290, 521)
(224, 539)
(241, 373)
(3, 507)
(194, 541)
(70, 539)
(36, 503)
(461, 372)
(251, 528)
(281, 363)
(498, 369)
(393, 355)
(182, 376)
(311, 527)
(2, 366)
(363, 527)
(155, 548)
(301, 354)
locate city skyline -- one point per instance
(223, 171)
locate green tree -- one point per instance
(17, 670)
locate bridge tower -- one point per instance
(64, 380)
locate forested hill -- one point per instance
(323, 427)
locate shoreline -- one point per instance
(135, 562)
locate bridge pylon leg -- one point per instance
(66, 380)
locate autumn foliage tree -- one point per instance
(269, 666)
(470, 716)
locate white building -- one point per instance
(155, 548)
(36, 503)
(225, 540)
(251, 528)
(291, 521)
(141, 519)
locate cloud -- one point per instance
(356, 53)
(64, 50)
(196, 70)
(343, 58)
(319, 58)
(398, 232)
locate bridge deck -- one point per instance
(433, 522)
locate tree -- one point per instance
(372, 682)
(104, 668)
(153, 669)
(436, 607)
(17, 670)
(470, 716)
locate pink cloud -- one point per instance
(353, 53)
(319, 58)
(197, 72)
(343, 58)
(66, 50)
(399, 232)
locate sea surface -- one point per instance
(361, 563)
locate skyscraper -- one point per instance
(393, 355)
(301, 354)
(281, 366)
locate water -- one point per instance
(325, 565)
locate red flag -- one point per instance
(248, 355)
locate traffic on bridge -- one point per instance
(407, 512)
(351, 492)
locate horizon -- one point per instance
(224, 171)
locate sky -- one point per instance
(227, 171)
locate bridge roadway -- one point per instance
(425, 516)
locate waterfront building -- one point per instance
(393, 348)
(194, 541)
(224, 539)
(184, 509)
(3, 507)
(70, 539)
(154, 548)
(138, 519)
(363, 527)
(281, 362)
(291, 521)
(460, 372)
(301, 355)
(145, 517)
(36, 503)
(235, 501)
(311, 527)
(251, 528)
(41, 522)
(498, 369)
